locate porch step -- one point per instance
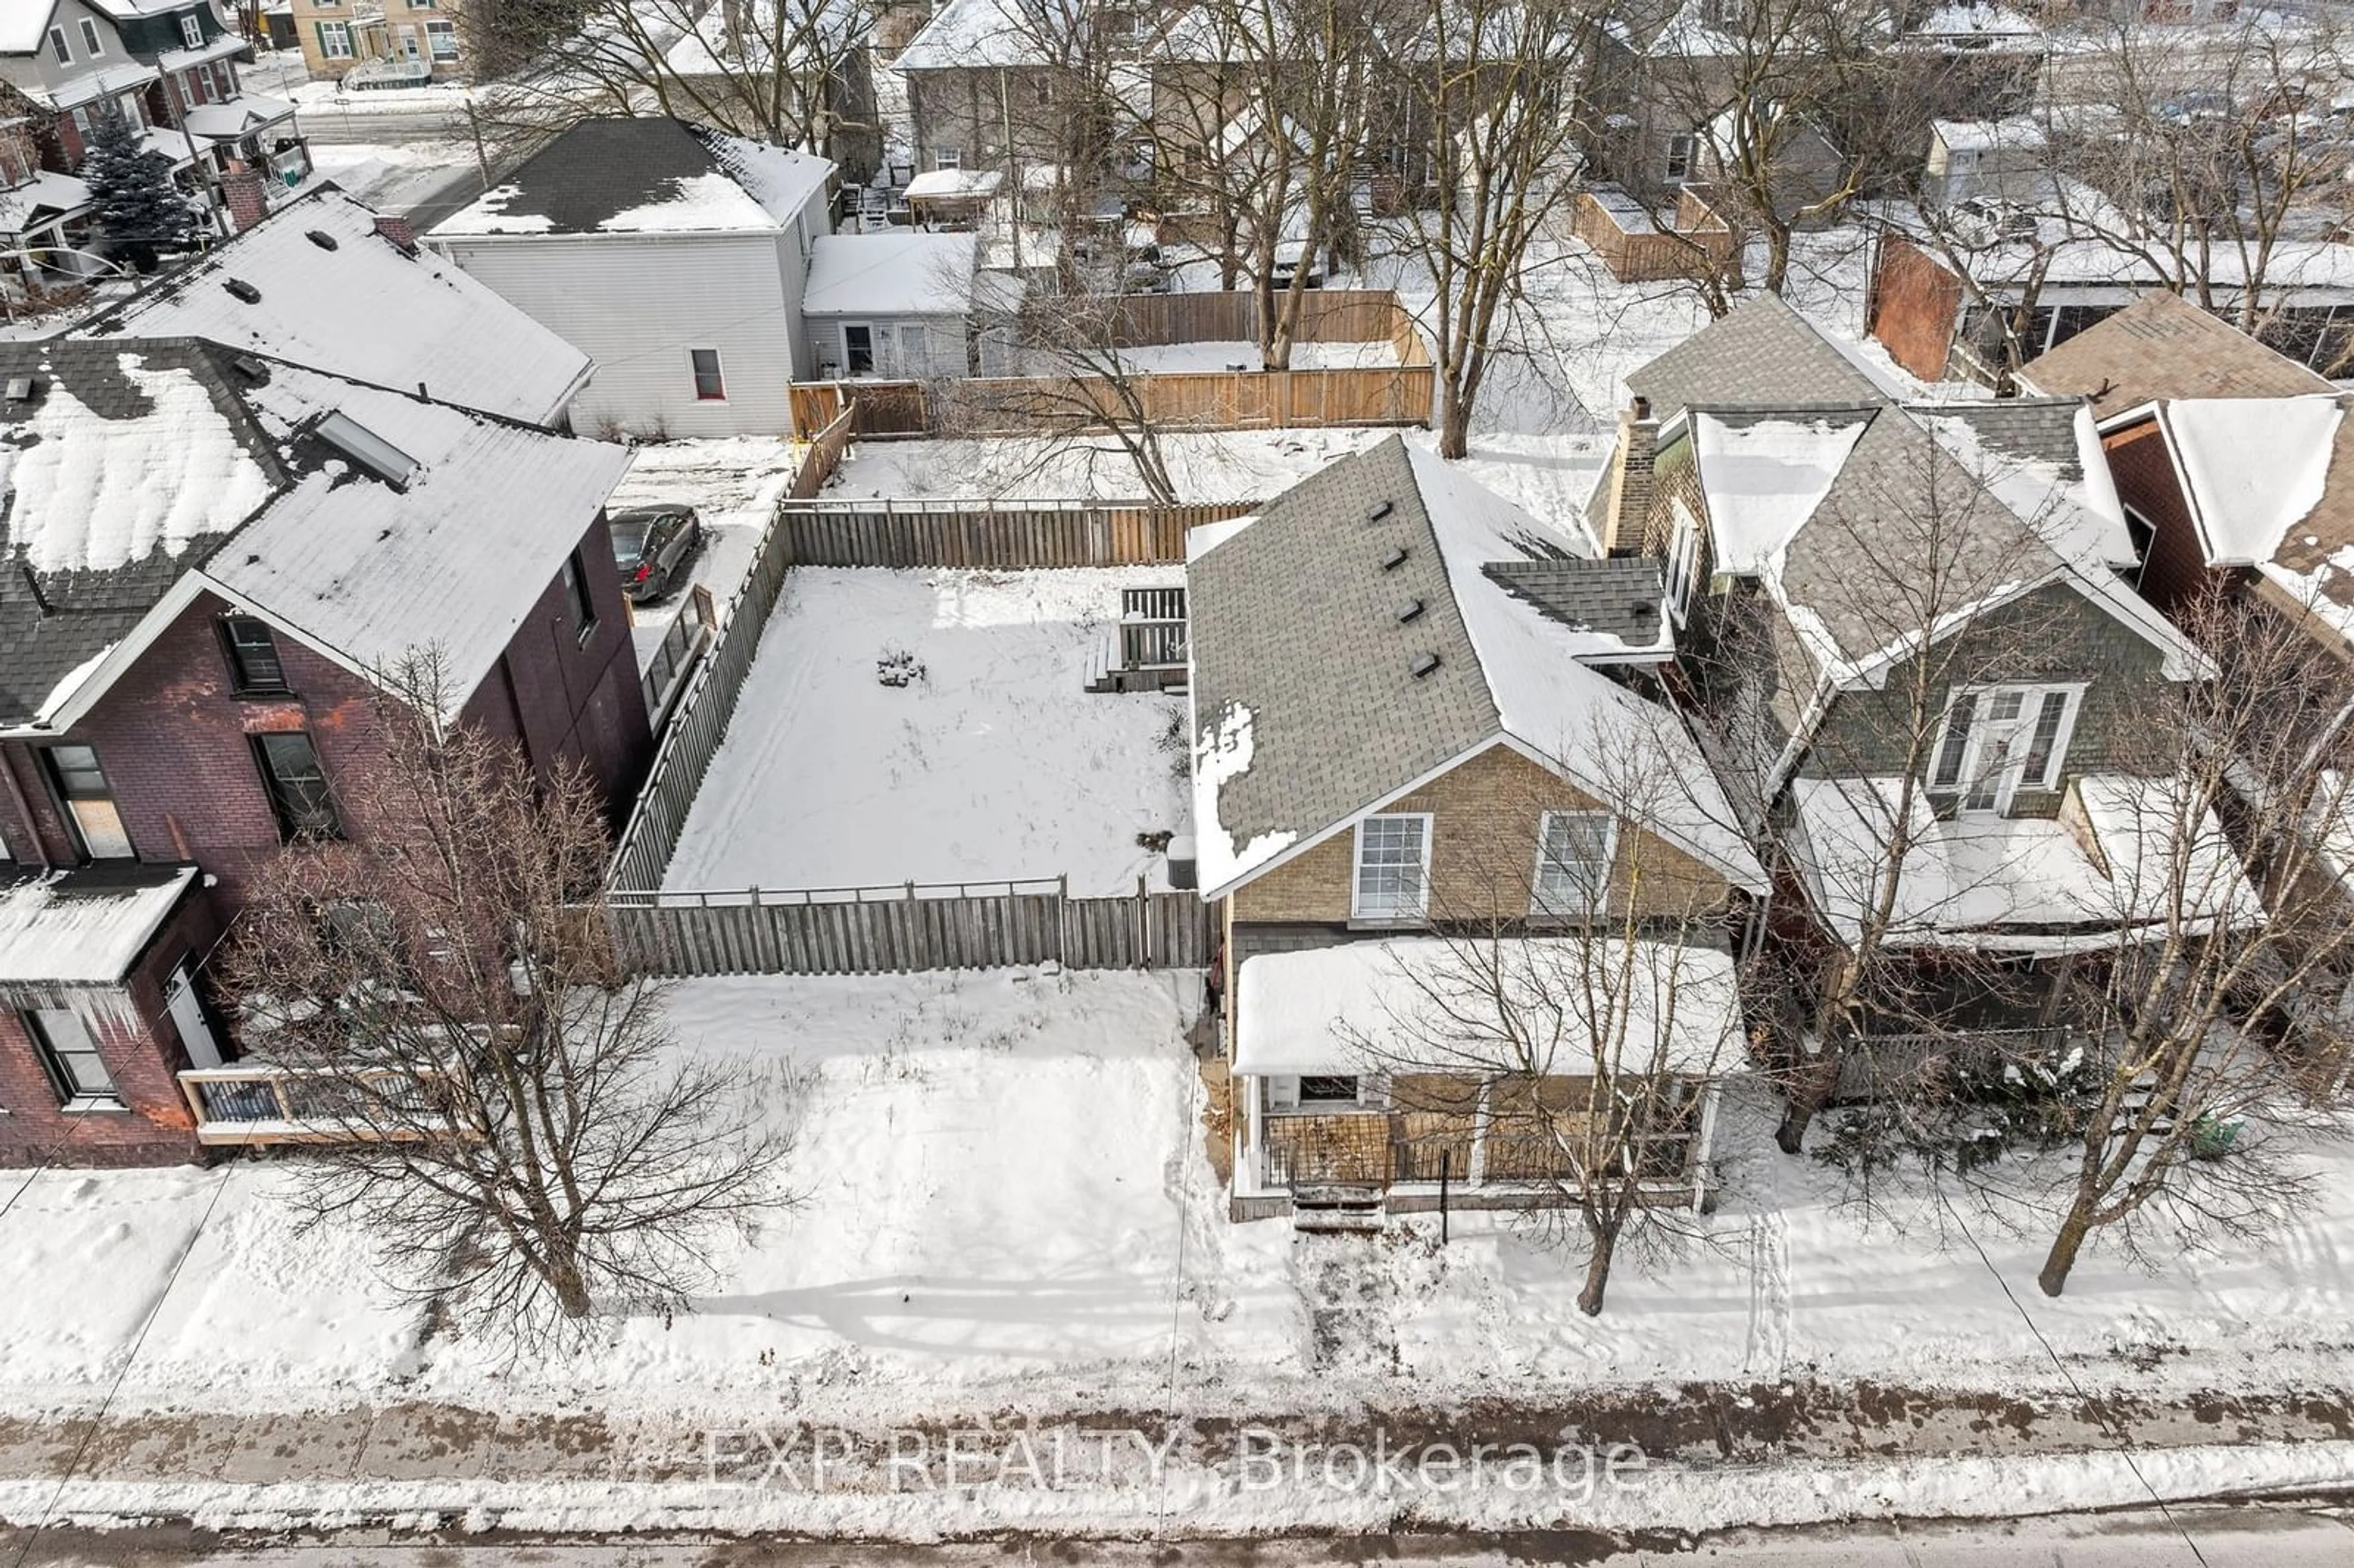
(1338, 1209)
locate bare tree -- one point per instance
(1083, 385)
(2197, 1126)
(1562, 1033)
(1495, 81)
(516, 1129)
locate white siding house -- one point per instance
(897, 305)
(674, 256)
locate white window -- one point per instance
(60, 48)
(915, 352)
(948, 158)
(336, 41)
(708, 385)
(1683, 562)
(1392, 867)
(192, 31)
(1999, 740)
(441, 37)
(90, 41)
(1574, 851)
(1684, 151)
(69, 1055)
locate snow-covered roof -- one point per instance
(236, 117)
(2018, 884)
(1666, 1008)
(84, 927)
(1967, 20)
(103, 82)
(1765, 478)
(901, 273)
(644, 176)
(372, 570)
(954, 184)
(367, 522)
(23, 27)
(362, 305)
(226, 46)
(2097, 270)
(42, 200)
(1990, 135)
(2254, 466)
(1386, 620)
(980, 35)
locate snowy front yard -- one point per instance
(1009, 1210)
(990, 761)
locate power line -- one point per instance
(2124, 1440)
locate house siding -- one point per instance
(1483, 850)
(2052, 635)
(637, 304)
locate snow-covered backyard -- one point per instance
(1009, 1217)
(990, 761)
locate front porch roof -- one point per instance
(85, 927)
(236, 117)
(1675, 1007)
(2098, 871)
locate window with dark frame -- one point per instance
(89, 802)
(58, 48)
(708, 385)
(297, 785)
(1328, 1089)
(71, 1058)
(90, 38)
(253, 658)
(575, 595)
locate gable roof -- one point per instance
(645, 175)
(1763, 354)
(2012, 495)
(26, 24)
(2270, 484)
(2162, 345)
(1312, 704)
(360, 304)
(146, 472)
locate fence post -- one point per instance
(1063, 919)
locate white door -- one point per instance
(188, 1017)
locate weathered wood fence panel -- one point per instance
(826, 453)
(900, 930)
(992, 533)
(1190, 400)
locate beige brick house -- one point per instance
(1427, 747)
(370, 44)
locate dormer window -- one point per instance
(192, 31)
(1999, 740)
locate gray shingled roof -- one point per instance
(1295, 618)
(51, 623)
(1763, 354)
(2033, 430)
(1619, 595)
(2162, 345)
(1861, 564)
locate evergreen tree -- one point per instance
(139, 210)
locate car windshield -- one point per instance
(630, 541)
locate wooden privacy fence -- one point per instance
(826, 453)
(911, 926)
(997, 533)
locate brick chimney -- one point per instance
(1629, 480)
(397, 229)
(240, 188)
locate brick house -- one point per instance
(1834, 552)
(1415, 707)
(170, 70)
(208, 553)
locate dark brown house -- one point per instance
(208, 558)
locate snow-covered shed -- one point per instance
(896, 304)
(673, 255)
